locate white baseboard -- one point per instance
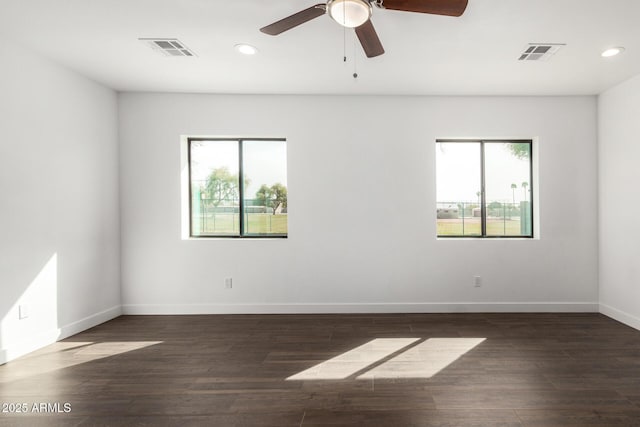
(620, 316)
(89, 322)
(176, 309)
(50, 336)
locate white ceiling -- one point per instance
(471, 55)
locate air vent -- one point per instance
(169, 47)
(540, 51)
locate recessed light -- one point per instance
(612, 52)
(246, 49)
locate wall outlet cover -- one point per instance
(23, 311)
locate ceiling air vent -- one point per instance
(169, 47)
(540, 51)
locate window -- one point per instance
(238, 187)
(484, 188)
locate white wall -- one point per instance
(619, 214)
(59, 224)
(345, 253)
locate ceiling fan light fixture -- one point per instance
(349, 13)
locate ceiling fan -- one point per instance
(357, 14)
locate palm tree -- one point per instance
(524, 188)
(478, 194)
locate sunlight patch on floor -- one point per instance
(425, 359)
(406, 359)
(353, 361)
(65, 355)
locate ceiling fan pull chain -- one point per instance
(355, 58)
(344, 44)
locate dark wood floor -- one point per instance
(530, 370)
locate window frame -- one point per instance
(483, 208)
(241, 206)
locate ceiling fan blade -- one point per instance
(435, 7)
(294, 20)
(369, 39)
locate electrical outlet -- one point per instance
(477, 281)
(228, 283)
(23, 311)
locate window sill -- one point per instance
(235, 238)
(502, 239)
